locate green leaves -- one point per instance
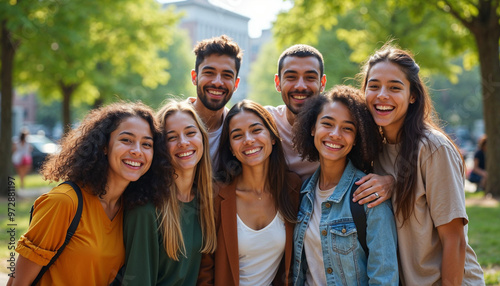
(89, 48)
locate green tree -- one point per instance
(435, 30)
(261, 77)
(79, 49)
(459, 103)
(88, 50)
(180, 60)
(15, 26)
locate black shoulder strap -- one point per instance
(359, 217)
(69, 233)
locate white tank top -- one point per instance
(260, 251)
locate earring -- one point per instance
(384, 140)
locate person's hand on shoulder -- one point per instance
(374, 189)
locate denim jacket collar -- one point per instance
(342, 187)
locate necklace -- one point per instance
(260, 195)
(257, 193)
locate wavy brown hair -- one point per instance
(367, 143)
(169, 211)
(419, 118)
(229, 168)
(83, 161)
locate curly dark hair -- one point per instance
(222, 45)
(367, 143)
(229, 167)
(83, 161)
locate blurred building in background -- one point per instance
(23, 112)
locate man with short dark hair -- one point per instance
(300, 77)
(215, 75)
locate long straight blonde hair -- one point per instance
(169, 213)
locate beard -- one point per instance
(213, 106)
(296, 109)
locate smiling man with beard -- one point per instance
(215, 75)
(300, 77)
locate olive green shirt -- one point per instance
(147, 262)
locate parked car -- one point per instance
(42, 147)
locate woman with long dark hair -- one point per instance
(256, 205)
(428, 198)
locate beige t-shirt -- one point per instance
(303, 168)
(439, 199)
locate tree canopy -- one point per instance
(88, 50)
(80, 51)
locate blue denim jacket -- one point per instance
(344, 259)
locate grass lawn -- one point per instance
(34, 180)
(484, 228)
(484, 231)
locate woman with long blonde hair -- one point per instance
(164, 242)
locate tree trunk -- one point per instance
(67, 91)
(8, 52)
(487, 40)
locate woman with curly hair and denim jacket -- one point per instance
(337, 129)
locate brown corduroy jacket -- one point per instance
(222, 267)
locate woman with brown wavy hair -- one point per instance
(110, 157)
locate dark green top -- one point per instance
(147, 262)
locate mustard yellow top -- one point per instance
(94, 254)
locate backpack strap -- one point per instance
(359, 217)
(71, 229)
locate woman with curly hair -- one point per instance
(164, 242)
(110, 157)
(337, 129)
(256, 206)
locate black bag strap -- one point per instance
(359, 217)
(71, 229)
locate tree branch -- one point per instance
(454, 13)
